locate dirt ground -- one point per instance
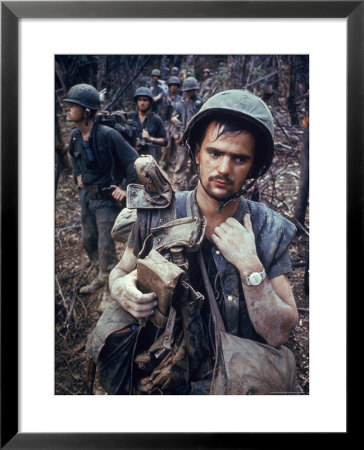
(76, 315)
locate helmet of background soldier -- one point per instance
(173, 80)
(206, 70)
(156, 72)
(143, 92)
(239, 104)
(174, 71)
(190, 84)
(84, 95)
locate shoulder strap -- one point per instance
(184, 204)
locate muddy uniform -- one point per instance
(104, 160)
(173, 133)
(156, 89)
(154, 125)
(111, 342)
(179, 169)
(205, 88)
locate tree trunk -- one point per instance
(292, 93)
(303, 189)
(62, 160)
(101, 71)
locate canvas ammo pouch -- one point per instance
(243, 366)
(156, 274)
(155, 193)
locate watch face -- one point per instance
(255, 279)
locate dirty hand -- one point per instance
(175, 121)
(118, 194)
(236, 242)
(125, 291)
(79, 181)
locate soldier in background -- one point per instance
(157, 91)
(173, 132)
(103, 164)
(175, 73)
(182, 173)
(206, 84)
(151, 134)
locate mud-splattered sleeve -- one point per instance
(281, 262)
(273, 236)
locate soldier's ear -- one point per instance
(197, 153)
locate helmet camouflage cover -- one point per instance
(253, 112)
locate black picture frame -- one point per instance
(11, 12)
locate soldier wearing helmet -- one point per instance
(168, 107)
(155, 85)
(151, 134)
(103, 164)
(245, 252)
(206, 85)
(174, 84)
(175, 73)
(183, 112)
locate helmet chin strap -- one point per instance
(87, 116)
(232, 197)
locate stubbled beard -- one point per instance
(210, 191)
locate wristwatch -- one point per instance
(255, 278)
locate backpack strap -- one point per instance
(181, 204)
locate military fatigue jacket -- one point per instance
(205, 87)
(107, 158)
(153, 124)
(186, 109)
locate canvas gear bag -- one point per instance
(120, 122)
(243, 366)
(172, 359)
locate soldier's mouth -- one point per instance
(222, 182)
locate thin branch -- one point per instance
(61, 294)
(261, 79)
(121, 90)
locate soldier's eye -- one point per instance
(241, 159)
(214, 153)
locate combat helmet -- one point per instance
(174, 80)
(174, 71)
(143, 92)
(156, 72)
(252, 110)
(190, 84)
(84, 95)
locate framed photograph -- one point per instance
(32, 34)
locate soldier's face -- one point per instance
(190, 94)
(74, 113)
(173, 88)
(224, 161)
(143, 103)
